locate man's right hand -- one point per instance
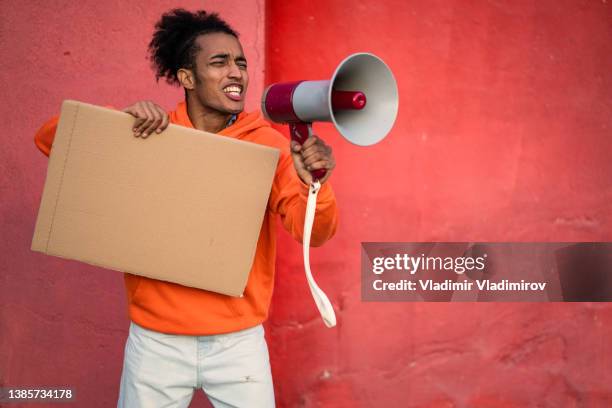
(149, 118)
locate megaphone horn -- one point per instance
(361, 100)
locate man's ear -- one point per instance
(186, 78)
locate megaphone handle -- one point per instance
(300, 131)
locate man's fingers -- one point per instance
(314, 140)
(314, 157)
(138, 122)
(164, 124)
(143, 125)
(139, 116)
(150, 118)
(157, 119)
(295, 146)
(158, 114)
(144, 120)
(314, 143)
(316, 152)
(310, 141)
(321, 164)
(159, 122)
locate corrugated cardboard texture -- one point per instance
(183, 206)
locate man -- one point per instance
(183, 338)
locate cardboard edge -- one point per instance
(57, 161)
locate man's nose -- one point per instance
(234, 71)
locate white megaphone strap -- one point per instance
(323, 304)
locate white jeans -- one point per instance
(163, 370)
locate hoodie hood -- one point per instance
(244, 124)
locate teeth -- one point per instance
(233, 89)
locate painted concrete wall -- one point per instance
(504, 134)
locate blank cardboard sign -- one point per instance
(183, 206)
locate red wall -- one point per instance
(504, 134)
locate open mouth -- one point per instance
(234, 92)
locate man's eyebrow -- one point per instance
(226, 56)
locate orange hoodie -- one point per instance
(172, 308)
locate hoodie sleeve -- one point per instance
(289, 197)
(45, 135)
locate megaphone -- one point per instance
(361, 100)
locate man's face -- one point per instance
(221, 77)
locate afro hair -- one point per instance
(174, 45)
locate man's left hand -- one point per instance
(312, 155)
